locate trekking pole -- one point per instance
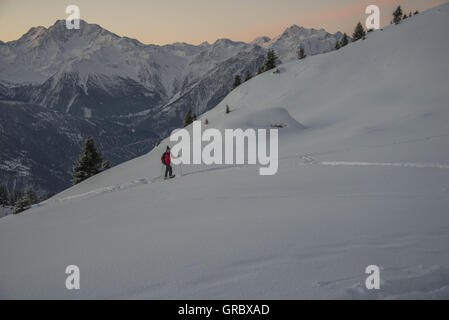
(162, 170)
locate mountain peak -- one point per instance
(62, 23)
(34, 32)
(59, 32)
(261, 40)
(223, 42)
(84, 25)
(294, 29)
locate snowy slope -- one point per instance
(363, 179)
(93, 73)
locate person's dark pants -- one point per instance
(168, 170)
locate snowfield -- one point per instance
(363, 179)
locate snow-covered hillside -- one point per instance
(95, 74)
(363, 179)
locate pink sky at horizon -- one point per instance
(168, 21)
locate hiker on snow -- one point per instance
(166, 160)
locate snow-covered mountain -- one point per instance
(363, 179)
(95, 74)
(90, 68)
(288, 44)
(93, 69)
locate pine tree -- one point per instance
(188, 119)
(31, 196)
(227, 109)
(15, 196)
(158, 142)
(416, 12)
(237, 82)
(337, 45)
(397, 15)
(248, 76)
(22, 204)
(89, 163)
(206, 122)
(344, 41)
(4, 196)
(270, 61)
(194, 117)
(359, 32)
(301, 54)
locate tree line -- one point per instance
(90, 163)
(398, 16)
(20, 200)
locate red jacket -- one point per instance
(167, 158)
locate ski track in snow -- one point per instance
(307, 160)
(386, 164)
(126, 186)
(103, 190)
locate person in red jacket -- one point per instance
(166, 160)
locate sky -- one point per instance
(195, 21)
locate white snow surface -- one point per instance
(363, 179)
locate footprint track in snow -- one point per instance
(307, 159)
